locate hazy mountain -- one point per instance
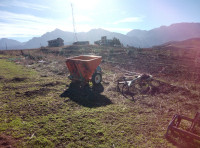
(163, 34)
(137, 38)
(42, 41)
(68, 37)
(9, 44)
(96, 34)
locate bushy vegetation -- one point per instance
(116, 42)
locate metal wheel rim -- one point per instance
(97, 79)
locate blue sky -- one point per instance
(24, 19)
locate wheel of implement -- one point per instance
(96, 78)
(125, 89)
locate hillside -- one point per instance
(41, 107)
(193, 43)
(163, 34)
(9, 44)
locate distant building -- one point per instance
(56, 42)
(81, 43)
(104, 41)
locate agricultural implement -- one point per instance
(191, 132)
(137, 83)
(85, 69)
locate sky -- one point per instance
(24, 19)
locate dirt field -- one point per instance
(40, 108)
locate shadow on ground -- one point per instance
(86, 96)
(182, 141)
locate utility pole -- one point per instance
(6, 46)
(75, 35)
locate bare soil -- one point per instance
(173, 89)
(7, 141)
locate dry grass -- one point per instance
(56, 115)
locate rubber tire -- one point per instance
(94, 77)
(125, 90)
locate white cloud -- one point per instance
(17, 3)
(26, 25)
(13, 25)
(129, 20)
(14, 17)
(85, 4)
(80, 18)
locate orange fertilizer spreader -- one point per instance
(85, 68)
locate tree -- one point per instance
(116, 42)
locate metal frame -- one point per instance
(176, 120)
(128, 81)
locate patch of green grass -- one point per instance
(10, 70)
(48, 120)
(40, 142)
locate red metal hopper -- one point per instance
(82, 68)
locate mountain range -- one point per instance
(136, 37)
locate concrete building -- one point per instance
(56, 42)
(104, 41)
